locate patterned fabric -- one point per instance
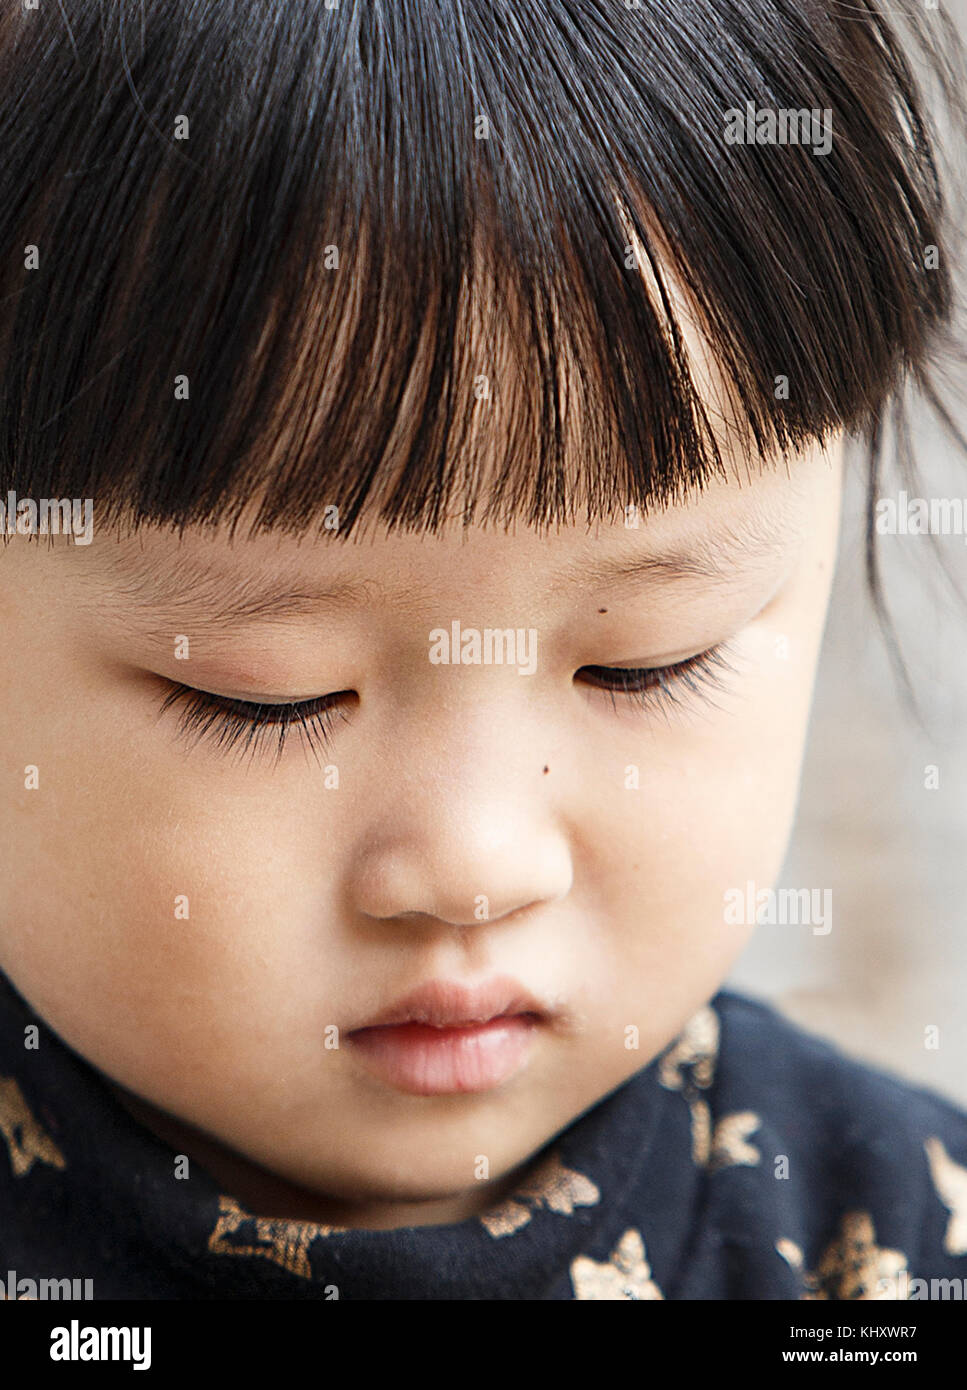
(749, 1161)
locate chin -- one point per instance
(419, 1183)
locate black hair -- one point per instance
(395, 256)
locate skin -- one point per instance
(312, 906)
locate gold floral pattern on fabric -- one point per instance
(552, 1186)
(790, 1252)
(688, 1065)
(730, 1140)
(27, 1141)
(286, 1243)
(625, 1275)
(950, 1182)
(852, 1266)
(701, 1129)
(696, 1050)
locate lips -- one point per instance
(447, 1037)
(450, 1004)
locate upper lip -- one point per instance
(451, 1004)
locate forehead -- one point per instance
(751, 523)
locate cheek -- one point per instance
(121, 838)
(713, 808)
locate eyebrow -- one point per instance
(718, 559)
(186, 589)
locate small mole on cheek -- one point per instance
(602, 610)
(546, 769)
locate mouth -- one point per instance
(448, 1038)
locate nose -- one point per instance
(473, 837)
(481, 864)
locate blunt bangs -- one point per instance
(420, 260)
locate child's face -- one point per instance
(486, 822)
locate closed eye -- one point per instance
(248, 726)
(665, 687)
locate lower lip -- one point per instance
(427, 1061)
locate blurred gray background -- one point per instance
(893, 852)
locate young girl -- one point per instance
(422, 439)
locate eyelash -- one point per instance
(666, 687)
(232, 722)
